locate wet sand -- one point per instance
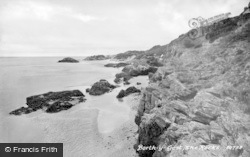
(101, 126)
(89, 129)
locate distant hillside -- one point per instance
(128, 54)
(96, 57)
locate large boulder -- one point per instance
(128, 91)
(101, 87)
(51, 102)
(68, 60)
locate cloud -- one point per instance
(43, 11)
(83, 27)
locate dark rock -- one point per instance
(51, 102)
(116, 65)
(87, 90)
(129, 71)
(39, 101)
(121, 94)
(101, 87)
(126, 83)
(149, 132)
(121, 76)
(96, 57)
(128, 91)
(117, 80)
(22, 110)
(57, 107)
(68, 60)
(138, 83)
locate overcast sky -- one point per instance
(88, 27)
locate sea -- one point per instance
(82, 128)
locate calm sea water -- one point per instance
(81, 127)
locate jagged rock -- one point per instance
(68, 60)
(101, 87)
(51, 102)
(153, 61)
(22, 110)
(58, 106)
(116, 65)
(128, 91)
(96, 57)
(130, 71)
(200, 97)
(128, 54)
(151, 128)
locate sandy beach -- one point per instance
(102, 126)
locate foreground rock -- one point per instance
(51, 102)
(128, 91)
(101, 87)
(68, 60)
(199, 100)
(96, 57)
(116, 65)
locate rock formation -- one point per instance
(116, 65)
(96, 57)
(68, 60)
(128, 91)
(51, 102)
(128, 55)
(101, 87)
(132, 71)
(199, 100)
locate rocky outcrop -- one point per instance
(116, 65)
(101, 87)
(128, 91)
(197, 103)
(132, 71)
(96, 57)
(246, 9)
(128, 55)
(51, 102)
(68, 60)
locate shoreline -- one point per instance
(79, 127)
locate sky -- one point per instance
(91, 27)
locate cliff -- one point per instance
(197, 102)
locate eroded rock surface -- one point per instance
(132, 71)
(51, 102)
(199, 100)
(116, 65)
(128, 91)
(101, 87)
